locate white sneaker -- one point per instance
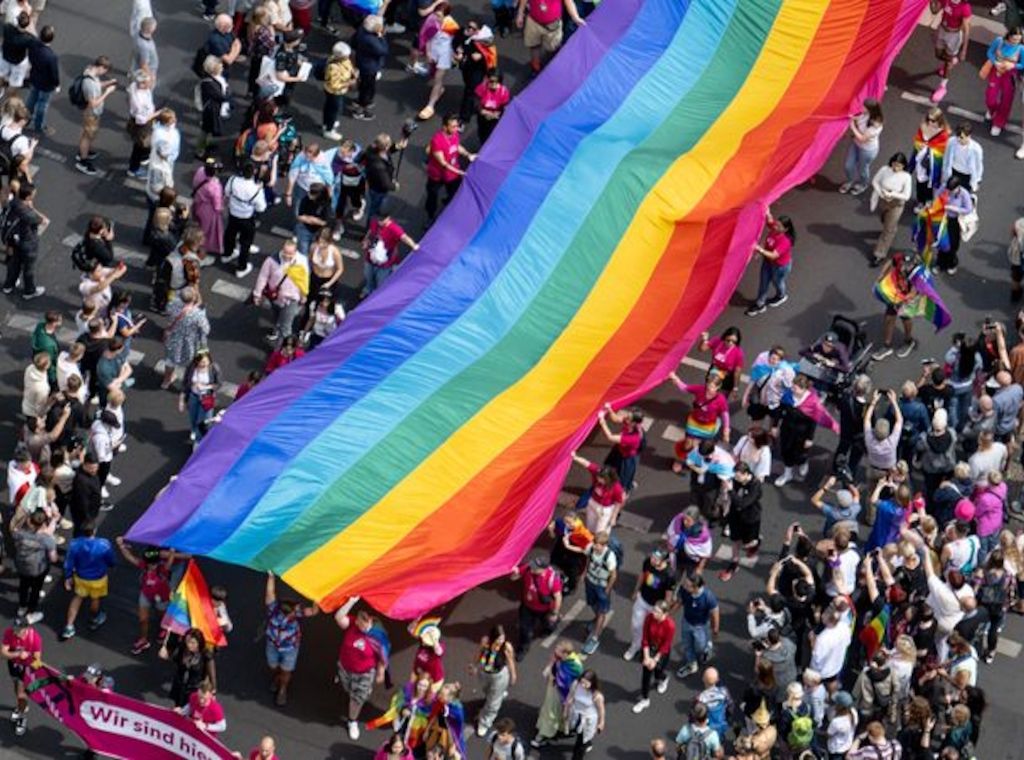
(630, 653)
(338, 233)
(104, 492)
(34, 617)
(358, 216)
(998, 9)
(113, 480)
(996, 131)
(331, 134)
(802, 471)
(397, 28)
(254, 249)
(481, 730)
(120, 450)
(785, 477)
(243, 272)
(662, 685)
(1020, 152)
(353, 730)
(640, 706)
(230, 257)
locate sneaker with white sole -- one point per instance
(1020, 153)
(244, 272)
(883, 353)
(630, 653)
(104, 492)
(353, 730)
(906, 349)
(360, 212)
(801, 471)
(230, 257)
(641, 705)
(777, 300)
(845, 187)
(330, 134)
(785, 477)
(998, 9)
(687, 670)
(995, 131)
(113, 480)
(33, 617)
(755, 309)
(662, 686)
(40, 290)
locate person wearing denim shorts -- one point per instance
(284, 634)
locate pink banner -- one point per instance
(117, 726)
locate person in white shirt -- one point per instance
(69, 365)
(11, 131)
(245, 199)
(891, 189)
(829, 652)
(865, 128)
(990, 456)
(965, 159)
(755, 450)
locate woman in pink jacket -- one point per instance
(989, 499)
(208, 206)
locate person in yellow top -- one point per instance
(339, 76)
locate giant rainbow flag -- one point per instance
(420, 450)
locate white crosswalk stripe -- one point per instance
(120, 251)
(27, 323)
(231, 290)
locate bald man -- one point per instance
(718, 701)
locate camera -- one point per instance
(842, 472)
(408, 127)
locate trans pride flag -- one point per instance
(420, 450)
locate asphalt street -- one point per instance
(830, 276)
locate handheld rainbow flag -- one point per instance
(191, 606)
(930, 305)
(420, 450)
(418, 714)
(875, 634)
(422, 625)
(567, 670)
(931, 229)
(893, 288)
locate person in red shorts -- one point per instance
(21, 647)
(360, 663)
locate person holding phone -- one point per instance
(21, 647)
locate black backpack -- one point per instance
(198, 61)
(10, 221)
(7, 152)
(76, 92)
(81, 259)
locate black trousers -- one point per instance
(21, 264)
(243, 231)
(648, 676)
(367, 88)
(29, 588)
(528, 622)
(434, 187)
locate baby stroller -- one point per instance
(833, 382)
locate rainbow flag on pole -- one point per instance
(607, 222)
(192, 607)
(931, 229)
(875, 634)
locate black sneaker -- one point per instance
(755, 309)
(363, 115)
(778, 300)
(883, 353)
(86, 167)
(906, 349)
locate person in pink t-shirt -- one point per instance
(709, 415)
(380, 247)
(776, 263)
(541, 22)
(726, 356)
(21, 647)
(429, 658)
(266, 751)
(204, 710)
(443, 170)
(493, 96)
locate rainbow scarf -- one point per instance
(702, 430)
(931, 229)
(875, 634)
(605, 225)
(936, 153)
(191, 606)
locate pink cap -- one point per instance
(964, 510)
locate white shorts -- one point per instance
(949, 42)
(14, 73)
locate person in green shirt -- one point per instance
(44, 339)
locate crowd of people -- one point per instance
(871, 631)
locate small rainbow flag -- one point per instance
(192, 607)
(931, 229)
(418, 717)
(876, 633)
(567, 670)
(930, 305)
(419, 627)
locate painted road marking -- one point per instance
(633, 521)
(1008, 647)
(135, 357)
(231, 290)
(53, 155)
(120, 251)
(26, 323)
(574, 612)
(673, 433)
(924, 100)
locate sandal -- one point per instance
(726, 575)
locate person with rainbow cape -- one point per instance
(409, 711)
(907, 290)
(561, 672)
